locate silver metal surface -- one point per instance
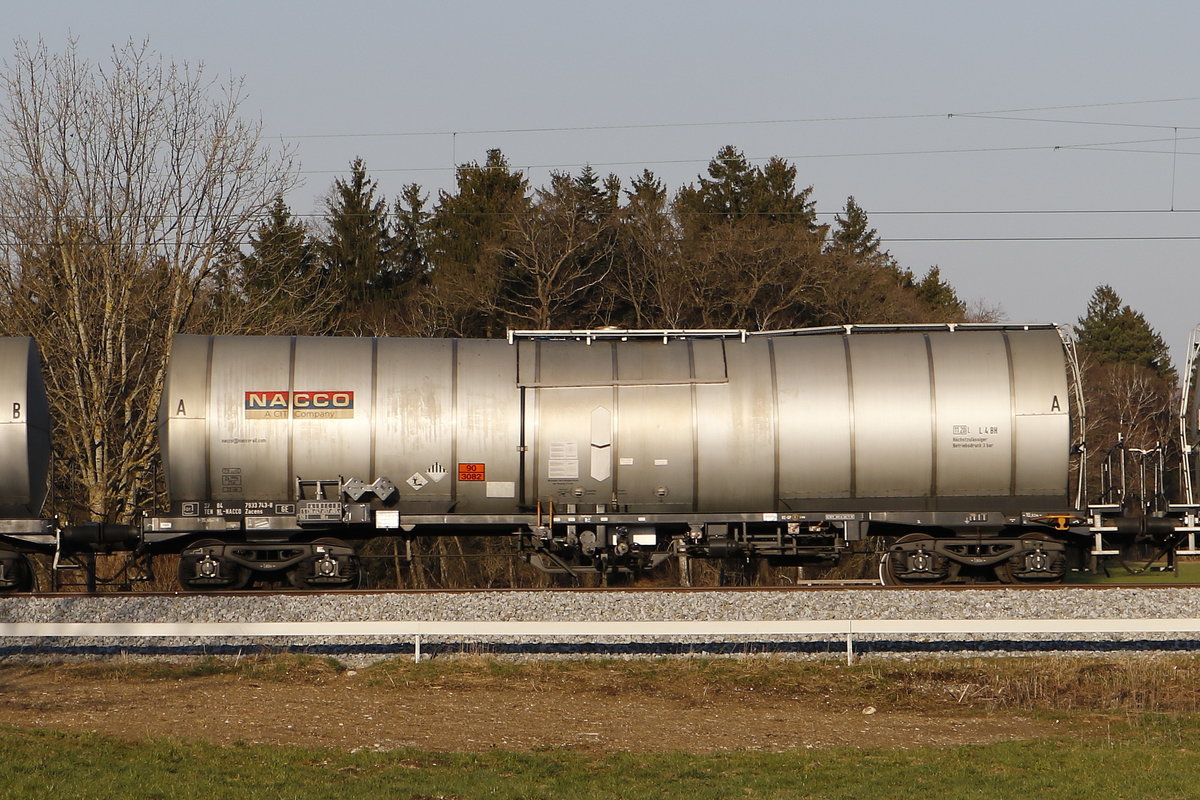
(1189, 418)
(937, 418)
(24, 429)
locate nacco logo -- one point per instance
(299, 405)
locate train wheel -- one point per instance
(910, 562)
(16, 574)
(327, 569)
(205, 573)
(1034, 564)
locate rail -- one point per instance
(849, 628)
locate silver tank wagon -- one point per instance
(615, 449)
(25, 466)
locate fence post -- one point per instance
(849, 648)
(416, 648)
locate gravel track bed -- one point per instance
(1126, 603)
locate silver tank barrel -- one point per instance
(920, 417)
(24, 429)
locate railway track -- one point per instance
(804, 621)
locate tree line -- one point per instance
(739, 248)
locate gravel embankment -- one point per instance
(842, 604)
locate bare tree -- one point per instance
(276, 288)
(752, 275)
(559, 254)
(121, 187)
(1129, 421)
(643, 282)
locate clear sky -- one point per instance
(1032, 150)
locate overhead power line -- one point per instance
(728, 123)
(1078, 122)
(1113, 146)
(755, 159)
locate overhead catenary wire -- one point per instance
(1114, 146)
(731, 123)
(1119, 146)
(1123, 146)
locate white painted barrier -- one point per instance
(593, 630)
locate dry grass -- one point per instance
(1131, 684)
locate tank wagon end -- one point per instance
(24, 470)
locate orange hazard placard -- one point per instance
(471, 472)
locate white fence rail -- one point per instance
(595, 631)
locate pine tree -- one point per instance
(940, 296)
(736, 191)
(280, 275)
(724, 195)
(589, 196)
(775, 198)
(612, 194)
(1112, 332)
(409, 250)
(647, 191)
(280, 250)
(853, 234)
(474, 217)
(276, 287)
(1128, 381)
(642, 287)
(469, 238)
(356, 249)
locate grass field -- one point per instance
(1144, 757)
(1121, 728)
(1188, 571)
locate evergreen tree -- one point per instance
(776, 199)
(409, 249)
(280, 275)
(280, 250)
(589, 195)
(735, 191)
(468, 246)
(356, 249)
(853, 234)
(647, 191)
(940, 296)
(612, 194)
(276, 287)
(724, 195)
(1112, 332)
(1129, 381)
(473, 218)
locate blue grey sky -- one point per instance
(936, 116)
